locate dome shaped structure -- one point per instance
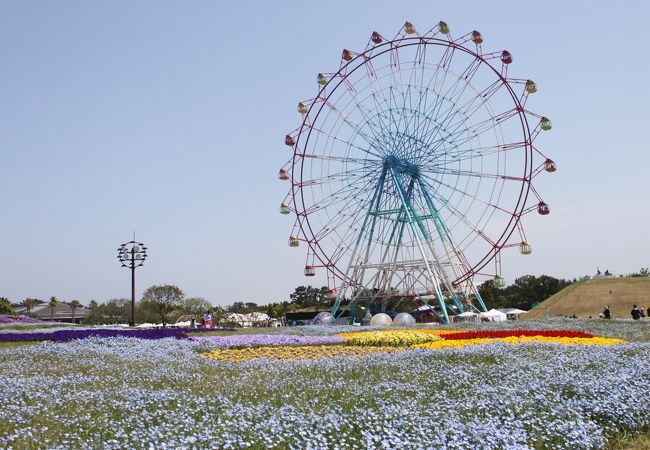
(380, 320)
(324, 318)
(404, 319)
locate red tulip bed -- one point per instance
(499, 334)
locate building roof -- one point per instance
(62, 311)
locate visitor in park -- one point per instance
(636, 314)
(193, 322)
(607, 313)
(207, 320)
(642, 312)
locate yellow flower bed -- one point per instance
(291, 352)
(518, 340)
(392, 338)
(419, 330)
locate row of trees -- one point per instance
(161, 304)
(524, 293)
(166, 303)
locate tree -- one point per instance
(74, 304)
(529, 289)
(162, 300)
(5, 306)
(115, 310)
(487, 290)
(196, 306)
(306, 297)
(237, 307)
(29, 304)
(644, 272)
(52, 304)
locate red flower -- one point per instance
(508, 333)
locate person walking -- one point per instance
(636, 314)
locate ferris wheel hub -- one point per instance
(401, 165)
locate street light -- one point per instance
(132, 255)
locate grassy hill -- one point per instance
(588, 298)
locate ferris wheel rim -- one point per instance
(298, 192)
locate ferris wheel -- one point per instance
(411, 171)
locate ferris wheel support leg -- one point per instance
(412, 218)
(450, 249)
(375, 199)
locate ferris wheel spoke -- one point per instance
(333, 178)
(343, 159)
(450, 96)
(453, 96)
(350, 221)
(480, 128)
(358, 129)
(343, 141)
(376, 126)
(430, 183)
(480, 152)
(351, 190)
(468, 173)
(445, 204)
(466, 110)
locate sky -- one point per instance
(168, 118)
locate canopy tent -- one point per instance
(512, 313)
(467, 316)
(494, 315)
(509, 311)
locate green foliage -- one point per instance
(162, 300)
(309, 297)
(644, 272)
(74, 305)
(5, 306)
(196, 305)
(113, 311)
(52, 304)
(29, 303)
(523, 293)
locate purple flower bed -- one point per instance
(6, 319)
(262, 340)
(206, 330)
(69, 335)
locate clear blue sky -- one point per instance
(168, 118)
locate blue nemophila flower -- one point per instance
(132, 393)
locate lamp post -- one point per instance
(132, 255)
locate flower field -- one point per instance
(6, 319)
(512, 391)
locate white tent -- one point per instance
(512, 313)
(509, 311)
(494, 315)
(467, 316)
